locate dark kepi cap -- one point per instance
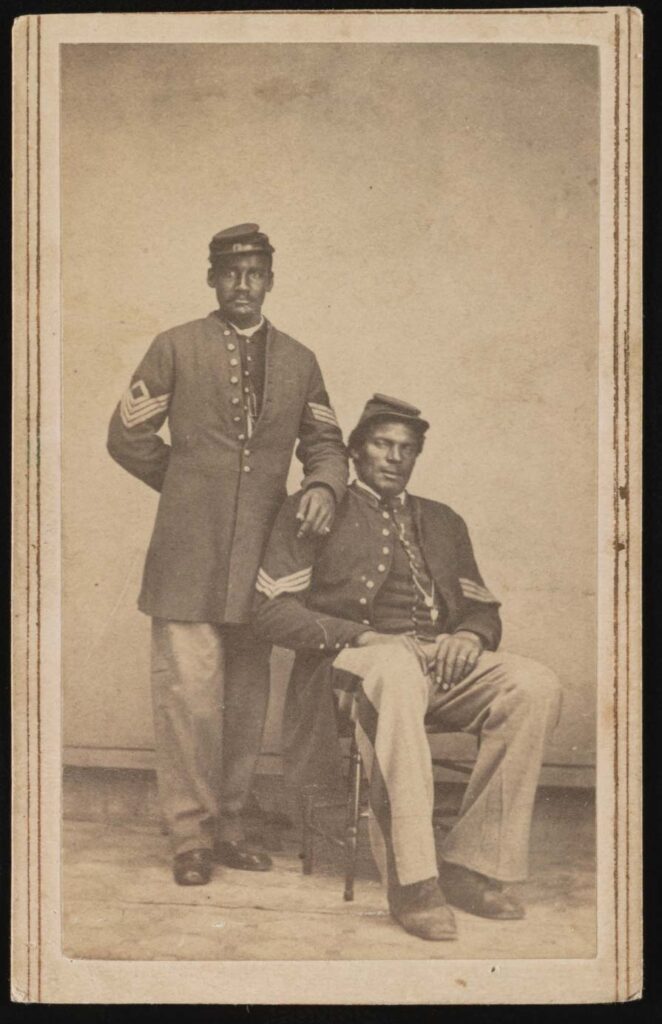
(383, 407)
(240, 239)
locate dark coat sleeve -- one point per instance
(281, 614)
(321, 449)
(133, 440)
(479, 608)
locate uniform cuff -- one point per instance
(339, 633)
(319, 483)
(470, 632)
(335, 484)
(489, 635)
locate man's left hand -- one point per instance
(316, 511)
(456, 656)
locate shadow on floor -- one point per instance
(120, 902)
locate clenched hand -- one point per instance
(316, 511)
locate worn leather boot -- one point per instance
(478, 894)
(236, 853)
(193, 867)
(421, 910)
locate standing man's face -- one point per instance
(241, 283)
(387, 457)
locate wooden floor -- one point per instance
(120, 901)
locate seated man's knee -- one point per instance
(534, 684)
(396, 667)
(392, 658)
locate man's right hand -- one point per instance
(372, 639)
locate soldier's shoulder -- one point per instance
(297, 348)
(290, 506)
(181, 333)
(437, 510)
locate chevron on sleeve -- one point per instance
(137, 405)
(291, 584)
(323, 413)
(475, 592)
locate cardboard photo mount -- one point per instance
(40, 970)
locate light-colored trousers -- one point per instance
(510, 703)
(210, 690)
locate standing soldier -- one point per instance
(237, 394)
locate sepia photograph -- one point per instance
(329, 331)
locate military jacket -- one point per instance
(319, 593)
(315, 596)
(219, 489)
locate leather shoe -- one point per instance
(234, 853)
(193, 867)
(421, 910)
(478, 894)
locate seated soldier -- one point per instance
(390, 615)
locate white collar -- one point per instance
(247, 332)
(401, 496)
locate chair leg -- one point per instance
(307, 833)
(352, 819)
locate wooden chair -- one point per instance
(315, 799)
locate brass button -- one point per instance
(385, 551)
(226, 333)
(235, 401)
(231, 344)
(386, 533)
(234, 380)
(381, 568)
(247, 469)
(247, 452)
(363, 600)
(236, 419)
(234, 362)
(386, 515)
(370, 584)
(242, 437)
(246, 373)
(366, 622)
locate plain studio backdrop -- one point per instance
(434, 210)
